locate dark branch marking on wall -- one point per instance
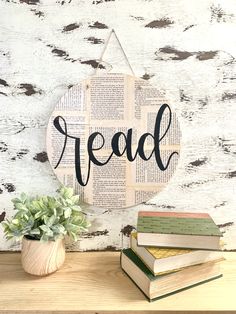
(192, 184)
(198, 162)
(1, 191)
(3, 147)
(162, 206)
(106, 211)
(147, 76)
(188, 27)
(96, 234)
(37, 13)
(98, 25)
(126, 231)
(41, 157)
(63, 2)
(188, 115)
(94, 40)
(231, 174)
(111, 248)
(25, 88)
(227, 224)
(203, 102)
(219, 15)
(171, 53)
(70, 27)
(138, 18)
(94, 64)
(61, 53)
(162, 23)
(30, 2)
(21, 127)
(9, 187)
(16, 126)
(184, 97)
(20, 154)
(3, 82)
(2, 216)
(206, 55)
(167, 206)
(101, 1)
(225, 145)
(221, 204)
(4, 94)
(29, 89)
(228, 96)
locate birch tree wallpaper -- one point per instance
(186, 48)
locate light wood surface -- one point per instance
(94, 283)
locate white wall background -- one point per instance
(186, 47)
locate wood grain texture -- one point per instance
(42, 258)
(48, 46)
(95, 283)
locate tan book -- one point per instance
(177, 229)
(155, 287)
(162, 260)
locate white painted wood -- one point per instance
(187, 48)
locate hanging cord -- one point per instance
(105, 48)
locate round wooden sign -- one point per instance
(115, 139)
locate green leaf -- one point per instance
(67, 212)
(16, 200)
(47, 218)
(74, 236)
(23, 197)
(38, 214)
(66, 192)
(21, 206)
(45, 228)
(44, 238)
(51, 220)
(76, 208)
(75, 199)
(35, 231)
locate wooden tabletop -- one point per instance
(94, 283)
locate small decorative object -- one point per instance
(115, 139)
(42, 224)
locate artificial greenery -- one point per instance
(47, 218)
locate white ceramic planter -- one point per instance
(42, 258)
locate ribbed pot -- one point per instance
(42, 258)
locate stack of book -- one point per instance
(172, 251)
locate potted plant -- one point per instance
(42, 224)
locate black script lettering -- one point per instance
(91, 149)
(156, 136)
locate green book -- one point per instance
(155, 287)
(176, 229)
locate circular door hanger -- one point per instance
(115, 139)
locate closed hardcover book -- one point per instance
(163, 260)
(176, 229)
(155, 287)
